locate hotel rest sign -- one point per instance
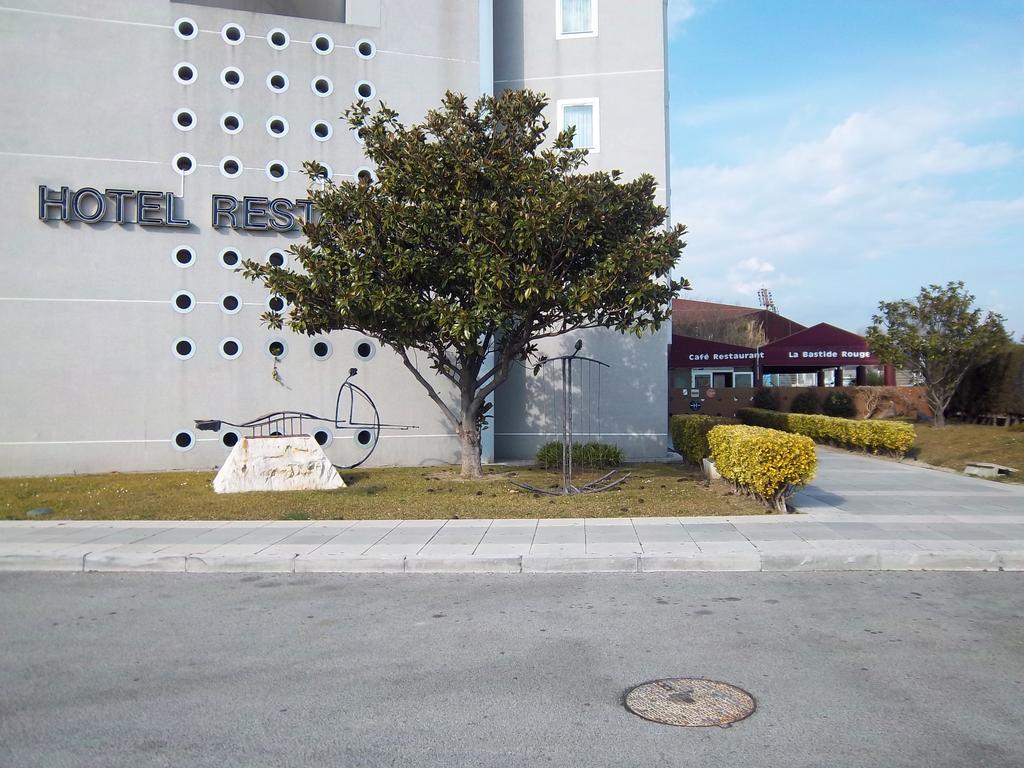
(148, 208)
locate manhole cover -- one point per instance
(690, 701)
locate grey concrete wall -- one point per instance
(89, 382)
(624, 67)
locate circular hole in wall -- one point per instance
(232, 33)
(322, 43)
(232, 77)
(366, 49)
(277, 126)
(324, 174)
(277, 171)
(277, 82)
(365, 174)
(364, 89)
(276, 303)
(322, 86)
(184, 119)
(277, 258)
(230, 348)
(231, 122)
(230, 258)
(323, 438)
(231, 167)
(365, 349)
(278, 39)
(183, 347)
(186, 28)
(183, 440)
(364, 436)
(321, 130)
(230, 303)
(277, 348)
(183, 302)
(185, 73)
(230, 438)
(321, 349)
(183, 163)
(183, 256)
(358, 135)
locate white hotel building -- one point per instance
(126, 122)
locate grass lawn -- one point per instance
(392, 493)
(957, 444)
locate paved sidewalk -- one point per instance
(859, 484)
(860, 514)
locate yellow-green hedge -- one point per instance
(690, 435)
(892, 437)
(766, 463)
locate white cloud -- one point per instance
(679, 12)
(877, 185)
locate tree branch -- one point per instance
(429, 387)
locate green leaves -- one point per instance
(938, 335)
(475, 232)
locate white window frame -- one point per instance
(592, 101)
(560, 35)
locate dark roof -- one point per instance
(686, 312)
(684, 346)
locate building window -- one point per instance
(740, 379)
(584, 116)
(575, 18)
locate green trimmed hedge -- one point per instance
(690, 435)
(892, 437)
(584, 455)
(765, 463)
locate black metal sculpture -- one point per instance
(603, 483)
(295, 423)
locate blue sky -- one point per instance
(843, 152)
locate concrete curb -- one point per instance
(860, 559)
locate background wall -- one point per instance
(624, 67)
(89, 381)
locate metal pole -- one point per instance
(569, 487)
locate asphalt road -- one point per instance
(855, 669)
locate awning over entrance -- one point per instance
(820, 346)
(688, 352)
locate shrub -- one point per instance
(839, 404)
(690, 435)
(766, 463)
(766, 398)
(875, 436)
(584, 455)
(805, 402)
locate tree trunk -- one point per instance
(469, 439)
(938, 409)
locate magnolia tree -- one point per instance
(938, 335)
(473, 242)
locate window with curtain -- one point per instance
(580, 117)
(577, 17)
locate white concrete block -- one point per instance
(580, 564)
(133, 561)
(469, 564)
(213, 563)
(277, 464)
(702, 561)
(348, 564)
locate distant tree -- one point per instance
(939, 335)
(474, 239)
(744, 331)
